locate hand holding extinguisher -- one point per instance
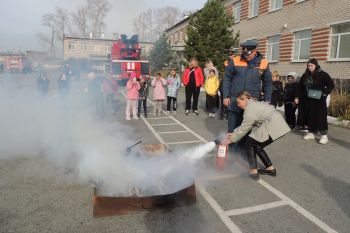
(222, 152)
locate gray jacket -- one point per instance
(263, 120)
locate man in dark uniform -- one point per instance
(244, 73)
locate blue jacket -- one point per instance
(173, 85)
(241, 75)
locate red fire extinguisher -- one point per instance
(222, 157)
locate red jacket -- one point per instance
(198, 75)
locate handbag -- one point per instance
(314, 94)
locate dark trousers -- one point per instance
(169, 100)
(257, 148)
(192, 91)
(289, 111)
(234, 120)
(144, 103)
(212, 103)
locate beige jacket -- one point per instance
(263, 120)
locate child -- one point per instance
(158, 93)
(291, 99)
(133, 87)
(143, 94)
(277, 90)
(211, 88)
(173, 85)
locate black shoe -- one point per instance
(187, 112)
(254, 176)
(195, 112)
(267, 172)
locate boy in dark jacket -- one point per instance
(143, 94)
(291, 99)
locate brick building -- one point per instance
(291, 31)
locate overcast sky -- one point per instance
(20, 20)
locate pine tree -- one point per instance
(210, 35)
(160, 55)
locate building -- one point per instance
(177, 36)
(94, 51)
(12, 61)
(292, 31)
(289, 32)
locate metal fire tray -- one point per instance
(104, 206)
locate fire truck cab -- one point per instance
(125, 58)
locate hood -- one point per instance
(294, 75)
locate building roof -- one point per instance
(87, 38)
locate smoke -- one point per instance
(65, 132)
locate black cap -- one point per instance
(250, 44)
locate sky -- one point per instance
(20, 20)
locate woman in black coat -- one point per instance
(315, 85)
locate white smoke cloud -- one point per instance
(66, 133)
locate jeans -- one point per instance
(234, 120)
(174, 100)
(144, 103)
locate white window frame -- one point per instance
(84, 46)
(252, 5)
(237, 11)
(299, 41)
(300, 1)
(97, 48)
(108, 48)
(273, 5)
(338, 44)
(270, 49)
(72, 46)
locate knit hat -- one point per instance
(294, 75)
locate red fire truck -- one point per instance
(126, 58)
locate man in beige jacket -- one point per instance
(265, 125)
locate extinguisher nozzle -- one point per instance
(217, 141)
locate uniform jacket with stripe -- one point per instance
(252, 76)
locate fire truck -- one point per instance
(126, 58)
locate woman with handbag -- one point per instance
(315, 85)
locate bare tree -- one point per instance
(97, 10)
(152, 23)
(61, 17)
(80, 20)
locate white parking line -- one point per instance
(297, 207)
(157, 118)
(186, 142)
(228, 222)
(256, 208)
(173, 132)
(164, 124)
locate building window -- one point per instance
(108, 48)
(340, 41)
(83, 46)
(253, 8)
(276, 5)
(273, 48)
(302, 44)
(97, 48)
(237, 12)
(71, 46)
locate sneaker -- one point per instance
(309, 136)
(136, 118)
(159, 113)
(323, 140)
(168, 112)
(213, 115)
(195, 112)
(128, 119)
(187, 112)
(174, 113)
(209, 114)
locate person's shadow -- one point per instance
(337, 189)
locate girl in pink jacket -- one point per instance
(132, 95)
(158, 93)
